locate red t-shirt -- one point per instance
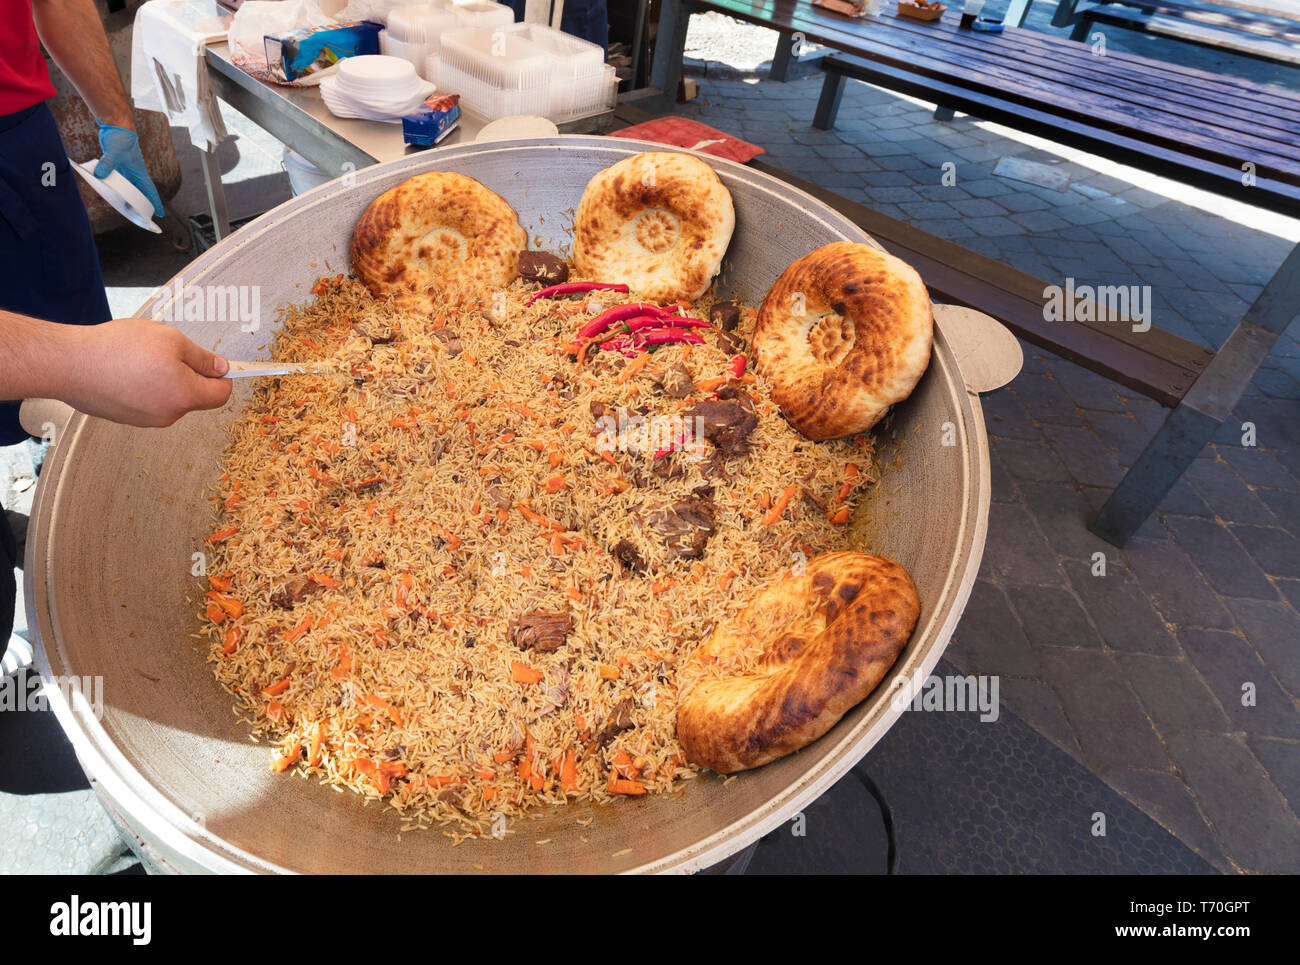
(24, 78)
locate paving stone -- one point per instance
(1031, 461)
(1173, 693)
(1181, 500)
(1228, 663)
(1221, 559)
(1251, 818)
(1226, 493)
(1003, 489)
(1285, 506)
(988, 639)
(1175, 585)
(1112, 728)
(1043, 396)
(1257, 467)
(1121, 432)
(1089, 462)
(1052, 617)
(1282, 761)
(994, 227)
(1291, 590)
(1063, 513)
(1014, 552)
(1005, 416)
(1120, 610)
(1168, 800)
(927, 210)
(1086, 389)
(1273, 629)
(1038, 705)
(990, 187)
(1274, 549)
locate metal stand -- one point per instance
(670, 45)
(1204, 408)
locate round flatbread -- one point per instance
(782, 671)
(658, 222)
(844, 334)
(434, 228)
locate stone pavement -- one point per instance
(1174, 676)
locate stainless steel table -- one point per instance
(298, 117)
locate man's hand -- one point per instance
(143, 373)
(121, 153)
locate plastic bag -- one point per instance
(257, 19)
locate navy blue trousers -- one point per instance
(48, 265)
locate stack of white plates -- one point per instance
(374, 87)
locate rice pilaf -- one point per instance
(400, 546)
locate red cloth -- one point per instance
(680, 132)
(24, 78)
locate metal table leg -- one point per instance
(1206, 406)
(216, 194)
(670, 45)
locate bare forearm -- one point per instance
(74, 36)
(36, 358)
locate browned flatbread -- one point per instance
(844, 334)
(827, 638)
(433, 228)
(659, 222)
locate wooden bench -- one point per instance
(1185, 124)
(1274, 36)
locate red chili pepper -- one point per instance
(737, 366)
(665, 321)
(611, 315)
(679, 443)
(667, 335)
(574, 288)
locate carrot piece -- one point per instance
(489, 793)
(288, 760)
(609, 673)
(521, 673)
(617, 786)
(276, 689)
(555, 459)
(623, 764)
(486, 773)
(633, 367)
(325, 580)
(443, 780)
(779, 507)
(573, 593)
(841, 517)
(220, 536)
(275, 710)
(709, 385)
(554, 484)
(223, 582)
(380, 704)
(233, 635)
(502, 756)
(851, 471)
(298, 631)
(314, 744)
(215, 613)
(662, 586)
(569, 772)
(537, 518)
(724, 581)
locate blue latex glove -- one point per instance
(121, 153)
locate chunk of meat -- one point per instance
(676, 382)
(294, 592)
(377, 332)
(725, 316)
(730, 343)
(450, 341)
(726, 422)
(544, 267)
(627, 554)
(619, 720)
(685, 525)
(541, 631)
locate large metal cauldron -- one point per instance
(120, 512)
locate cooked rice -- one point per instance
(420, 557)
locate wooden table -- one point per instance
(1226, 135)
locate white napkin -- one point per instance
(168, 73)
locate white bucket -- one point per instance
(303, 175)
